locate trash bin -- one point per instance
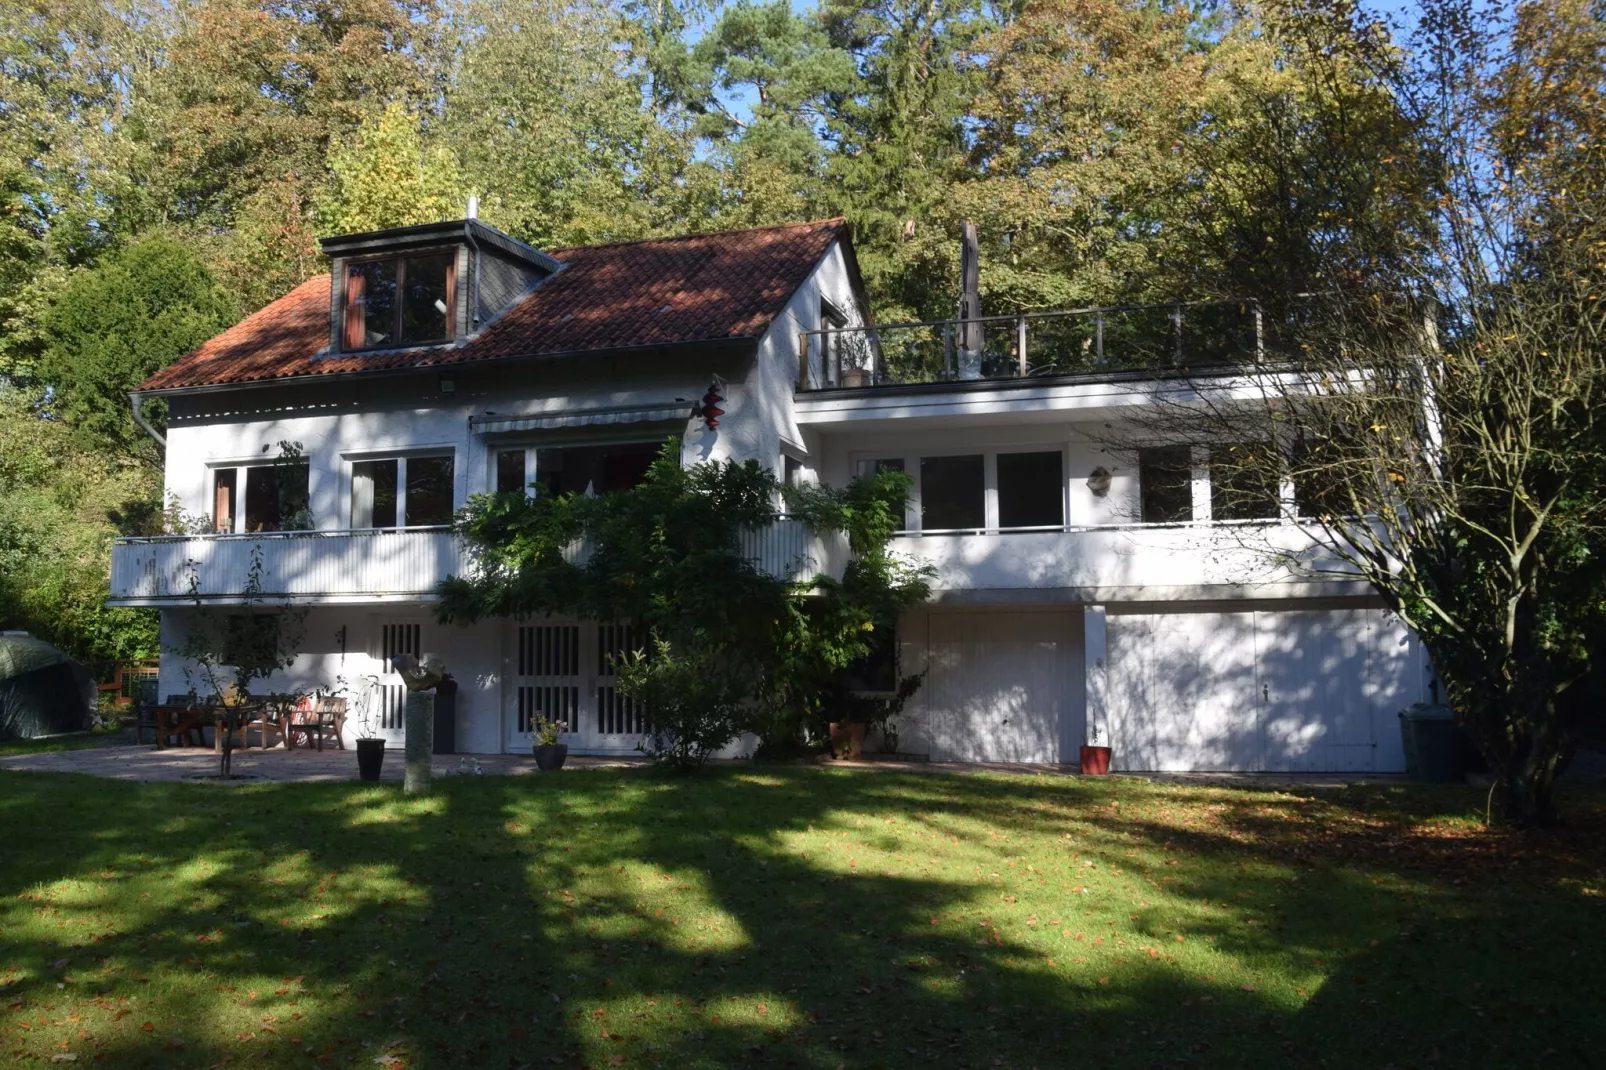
(446, 716)
(1432, 743)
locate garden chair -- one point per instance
(271, 717)
(316, 721)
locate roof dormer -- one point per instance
(427, 285)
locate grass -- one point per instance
(98, 737)
(794, 917)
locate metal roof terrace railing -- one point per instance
(1031, 345)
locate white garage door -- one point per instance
(1000, 686)
(1271, 691)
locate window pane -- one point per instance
(1031, 490)
(510, 472)
(426, 300)
(429, 491)
(373, 494)
(1165, 484)
(373, 300)
(223, 499)
(276, 498)
(1244, 482)
(880, 464)
(952, 493)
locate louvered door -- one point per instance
(547, 682)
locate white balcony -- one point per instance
(330, 567)
(1129, 562)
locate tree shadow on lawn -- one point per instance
(793, 917)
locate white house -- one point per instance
(1082, 588)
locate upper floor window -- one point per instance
(1245, 482)
(408, 492)
(261, 497)
(1165, 484)
(953, 492)
(401, 301)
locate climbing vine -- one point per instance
(667, 556)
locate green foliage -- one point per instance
(667, 555)
(693, 702)
(115, 323)
(387, 177)
(227, 649)
(60, 506)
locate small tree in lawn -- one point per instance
(229, 648)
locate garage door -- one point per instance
(1000, 686)
(1271, 691)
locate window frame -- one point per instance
(910, 460)
(401, 457)
(353, 329)
(241, 478)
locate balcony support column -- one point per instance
(1096, 711)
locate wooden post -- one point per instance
(1098, 337)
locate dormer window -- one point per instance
(400, 301)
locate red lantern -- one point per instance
(710, 410)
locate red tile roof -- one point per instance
(663, 291)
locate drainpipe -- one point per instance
(135, 402)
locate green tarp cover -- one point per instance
(42, 691)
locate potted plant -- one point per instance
(1095, 758)
(847, 738)
(549, 753)
(370, 747)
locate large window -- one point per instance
(1165, 484)
(953, 492)
(510, 472)
(1244, 482)
(261, 497)
(409, 492)
(406, 301)
(1031, 490)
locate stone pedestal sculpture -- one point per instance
(421, 681)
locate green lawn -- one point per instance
(791, 917)
(99, 737)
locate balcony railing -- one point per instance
(374, 565)
(1031, 345)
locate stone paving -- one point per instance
(128, 761)
(122, 760)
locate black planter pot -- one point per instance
(550, 756)
(370, 758)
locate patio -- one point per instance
(128, 761)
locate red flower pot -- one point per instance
(1095, 760)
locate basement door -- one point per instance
(562, 669)
(999, 685)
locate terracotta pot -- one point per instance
(550, 756)
(853, 378)
(1095, 760)
(370, 758)
(847, 738)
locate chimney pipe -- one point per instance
(970, 331)
(473, 206)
